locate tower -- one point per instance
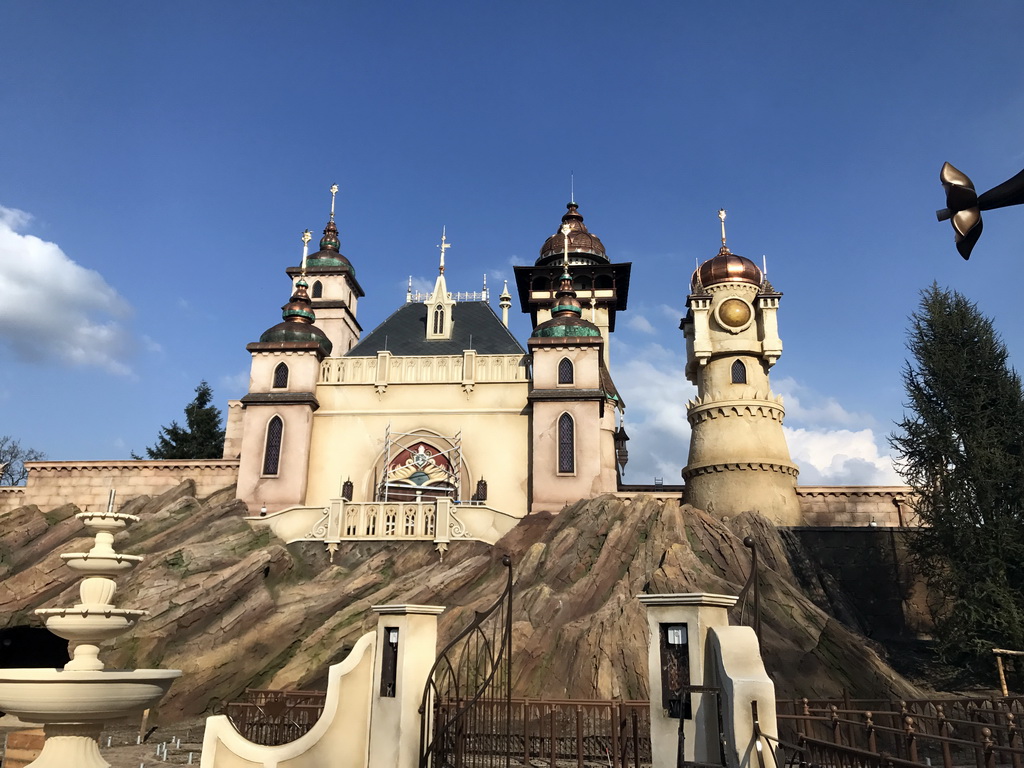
(573, 404)
(738, 458)
(277, 416)
(333, 288)
(601, 287)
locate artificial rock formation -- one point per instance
(232, 607)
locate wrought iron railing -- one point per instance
(470, 677)
(275, 717)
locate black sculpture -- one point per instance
(964, 205)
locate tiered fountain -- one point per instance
(73, 703)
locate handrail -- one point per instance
(752, 583)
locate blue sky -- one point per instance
(158, 163)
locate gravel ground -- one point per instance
(182, 739)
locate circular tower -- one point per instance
(739, 459)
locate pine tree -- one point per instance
(960, 447)
(202, 436)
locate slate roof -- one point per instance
(475, 326)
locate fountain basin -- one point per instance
(100, 565)
(64, 696)
(87, 624)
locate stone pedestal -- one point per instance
(698, 612)
(406, 649)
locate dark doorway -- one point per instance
(32, 647)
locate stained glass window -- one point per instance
(566, 444)
(739, 372)
(281, 376)
(565, 371)
(272, 449)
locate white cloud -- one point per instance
(840, 457)
(672, 313)
(52, 308)
(805, 406)
(236, 384)
(651, 381)
(640, 324)
(832, 446)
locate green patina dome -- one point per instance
(565, 327)
(298, 322)
(329, 254)
(291, 332)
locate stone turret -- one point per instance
(739, 459)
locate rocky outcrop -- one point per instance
(232, 607)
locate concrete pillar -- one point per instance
(697, 612)
(406, 649)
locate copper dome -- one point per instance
(727, 267)
(580, 241)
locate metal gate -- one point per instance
(466, 713)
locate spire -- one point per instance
(306, 237)
(300, 308)
(486, 295)
(330, 241)
(444, 246)
(505, 302)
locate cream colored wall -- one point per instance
(594, 443)
(349, 433)
(586, 371)
(303, 371)
(857, 506)
(339, 739)
(288, 486)
(87, 484)
(233, 430)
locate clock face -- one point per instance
(734, 313)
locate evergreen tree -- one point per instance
(202, 436)
(960, 447)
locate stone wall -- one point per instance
(853, 506)
(87, 484)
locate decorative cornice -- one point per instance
(281, 398)
(565, 394)
(106, 466)
(758, 466)
(697, 412)
(894, 491)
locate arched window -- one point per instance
(603, 283)
(565, 371)
(566, 444)
(281, 376)
(438, 319)
(541, 284)
(582, 283)
(272, 448)
(739, 372)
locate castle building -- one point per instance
(440, 401)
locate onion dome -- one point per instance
(726, 267)
(566, 316)
(298, 322)
(329, 254)
(584, 248)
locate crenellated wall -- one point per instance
(841, 506)
(87, 484)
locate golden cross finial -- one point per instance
(721, 217)
(306, 237)
(444, 246)
(334, 191)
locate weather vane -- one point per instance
(444, 246)
(334, 191)
(964, 205)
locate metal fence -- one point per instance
(275, 717)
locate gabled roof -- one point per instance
(404, 333)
